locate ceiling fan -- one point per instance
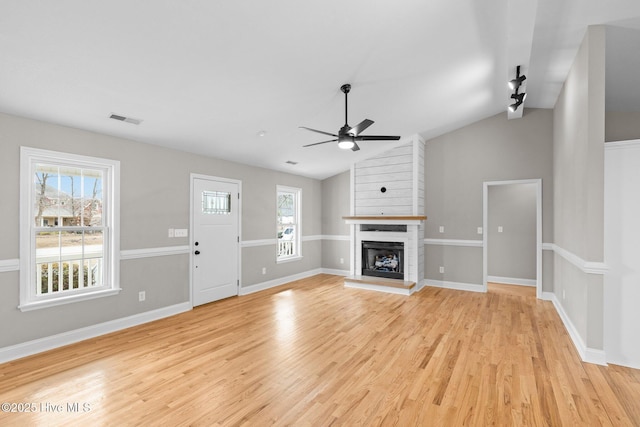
(348, 136)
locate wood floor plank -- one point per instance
(314, 353)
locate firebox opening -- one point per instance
(383, 259)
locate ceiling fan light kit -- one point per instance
(515, 84)
(346, 144)
(348, 136)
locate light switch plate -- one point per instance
(181, 232)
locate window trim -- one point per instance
(29, 157)
(298, 238)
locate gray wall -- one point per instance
(512, 252)
(579, 118)
(154, 197)
(335, 205)
(456, 166)
(621, 126)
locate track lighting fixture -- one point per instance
(517, 82)
(519, 98)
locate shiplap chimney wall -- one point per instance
(401, 172)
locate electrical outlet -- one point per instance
(341, 260)
(181, 232)
(142, 296)
(499, 229)
(441, 269)
(441, 229)
(171, 233)
(264, 270)
(479, 230)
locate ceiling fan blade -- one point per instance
(360, 127)
(376, 138)
(355, 147)
(318, 131)
(318, 143)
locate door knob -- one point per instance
(197, 252)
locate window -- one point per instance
(69, 228)
(288, 218)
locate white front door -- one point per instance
(215, 240)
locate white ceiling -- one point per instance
(208, 76)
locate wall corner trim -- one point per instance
(589, 267)
(7, 265)
(47, 343)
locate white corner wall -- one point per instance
(622, 253)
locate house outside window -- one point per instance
(69, 228)
(288, 223)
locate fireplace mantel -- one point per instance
(385, 219)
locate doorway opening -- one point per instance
(527, 259)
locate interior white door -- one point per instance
(215, 216)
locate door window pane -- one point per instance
(216, 203)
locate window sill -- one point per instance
(36, 305)
(288, 259)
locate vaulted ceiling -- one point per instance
(236, 79)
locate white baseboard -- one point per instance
(43, 344)
(246, 290)
(459, 286)
(624, 362)
(587, 354)
(511, 281)
(336, 272)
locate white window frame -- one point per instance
(29, 158)
(297, 255)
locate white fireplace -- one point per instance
(412, 242)
(387, 191)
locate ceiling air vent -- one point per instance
(125, 119)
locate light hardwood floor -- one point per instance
(313, 353)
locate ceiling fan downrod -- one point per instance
(345, 88)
